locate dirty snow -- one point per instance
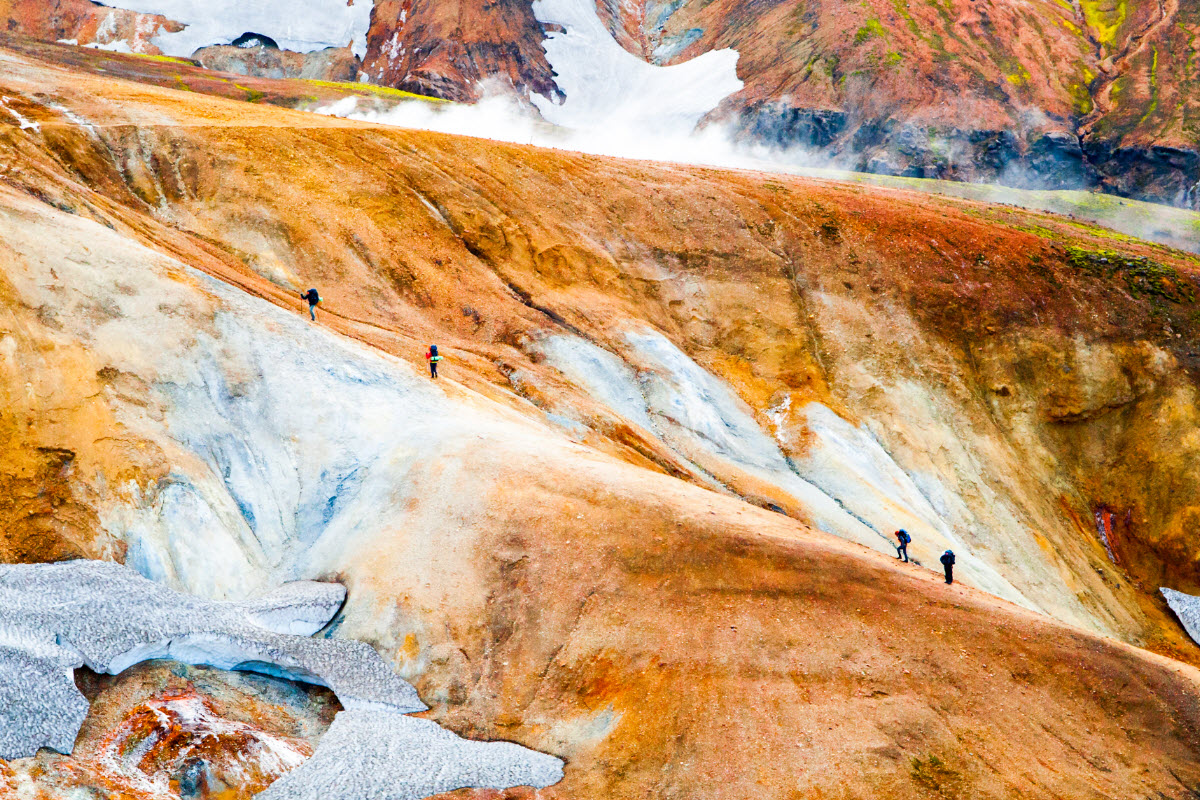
(1187, 608)
(407, 759)
(57, 617)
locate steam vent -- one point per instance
(597, 400)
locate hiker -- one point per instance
(434, 358)
(313, 298)
(948, 562)
(902, 549)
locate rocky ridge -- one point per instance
(1093, 95)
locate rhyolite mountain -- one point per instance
(642, 524)
(1096, 94)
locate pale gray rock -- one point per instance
(372, 755)
(57, 617)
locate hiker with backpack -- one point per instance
(313, 298)
(433, 358)
(902, 549)
(947, 560)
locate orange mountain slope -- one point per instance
(573, 540)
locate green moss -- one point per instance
(252, 95)
(892, 59)
(936, 776)
(871, 29)
(901, 7)
(165, 59)
(1019, 77)
(382, 91)
(1105, 18)
(1153, 89)
(1081, 99)
(1142, 276)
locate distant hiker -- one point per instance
(902, 549)
(434, 358)
(313, 298)
(947, 560)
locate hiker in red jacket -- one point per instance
(433, 358)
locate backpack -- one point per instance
(313, 297)
(904, 537)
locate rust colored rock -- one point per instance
(84, 23)
(448, 49)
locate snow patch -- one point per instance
(407, 759)
(57, 617)
(115, 46)
(26, 124)
(608, 87)
(302, 26)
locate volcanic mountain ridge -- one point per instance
(641, 523)
(1096, 94)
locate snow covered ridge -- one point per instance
(55, 618)
(607, 87)
(299, 25)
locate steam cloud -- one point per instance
(502, 118)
